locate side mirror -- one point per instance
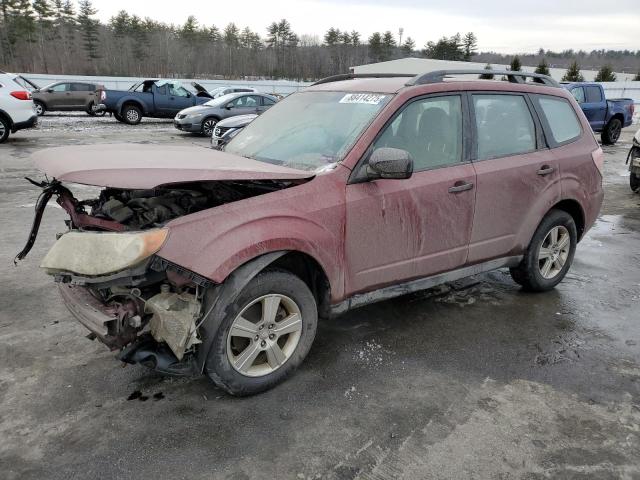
(49, 90)
(229, 106)
(391, 163)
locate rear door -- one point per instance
(397, 230)
(79, 94)
(517, 175)
(266, 104)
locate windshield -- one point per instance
(308, 130)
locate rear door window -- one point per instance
(504, 125)
(593, 94)
(561, 120)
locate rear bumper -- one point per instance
(32, 122)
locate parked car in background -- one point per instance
(353, 191)
(228, 128)
(633, 159)
(151, 98)
(608, 116)
(203, 118)
(16, 106)
(220, 91)
(67, 96)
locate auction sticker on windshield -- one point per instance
(366, 98)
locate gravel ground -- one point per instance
(470, 380)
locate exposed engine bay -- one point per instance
(144, 306)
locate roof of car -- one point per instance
(391, 85)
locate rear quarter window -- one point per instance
(561, 121)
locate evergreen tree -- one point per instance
(515, 66)
(388, 45)
(542, 68)
(605, 74)
(573, 73)
(487, 76)
(408, 47)
(355, 38)
(375, 46)
(469, 45)
(445, 49)
(89, 28)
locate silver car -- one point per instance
(203, 118)
(228, 128)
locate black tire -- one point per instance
(528, 273)
(611, 132)
(208, 125)
(218, 366)
(634, 182)
(118, 117)
(5, 129)
(131, 114)
(39, 108)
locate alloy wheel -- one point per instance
(132, 115)
(38, 109)
(554, 252)
(208, 126)
(264, 335)
(2, 130)
(614, 132)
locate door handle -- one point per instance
(460, 187)
(546, 170)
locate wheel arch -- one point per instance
(573, 208)
(130, 101)
(7, 117)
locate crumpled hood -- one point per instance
(237, 121)
(142, 166)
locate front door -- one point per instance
(59, 96)
(517, 177)
(397, 230)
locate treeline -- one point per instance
(65, 37)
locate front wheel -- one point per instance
(265, 335)
(208, 125)
(550, 253)
(131, 114)
(611, 132)
(634, 182)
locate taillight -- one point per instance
(598, 159)
(103, 96)
(21, 95)
(632, 109)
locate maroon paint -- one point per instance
(370, 234)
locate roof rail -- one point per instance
(349, 76)
(514, 77)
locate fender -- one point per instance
(133, 100)
(218, 256)
(7, 116)
(219, 298)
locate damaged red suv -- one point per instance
(358, 189)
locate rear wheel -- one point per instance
(265, 335)
(550, 253)
(611, 132)
(39, 108)
(131, 114)
(4, 129)
(208, 124)
(634, 182)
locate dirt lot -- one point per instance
(473, 380)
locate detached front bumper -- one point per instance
(101, 107)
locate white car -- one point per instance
(16, 106)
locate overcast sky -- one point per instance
(500, 25)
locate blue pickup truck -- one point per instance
(608, 116)
(151, 98)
